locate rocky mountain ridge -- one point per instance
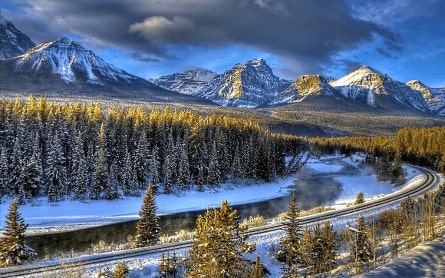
(243, 87)
(12, 41)
(64, 66)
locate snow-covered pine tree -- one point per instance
(219, 246)
(170, 165)
(4, 173)
(16, 173)
(129, 184)
(13, 247)
(290, 243)
(237, 168)
(33, 173)
(361, 249)
(214, 174)
(257, 271)
(121, 271)
(316, 253)
(330, 246)
(154, 166)
(55, 172)
(79, 177)
(147, 228)
(141, 160)
(184, 166)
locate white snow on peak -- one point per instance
(64, 55)
(354, 76)
(257, 62)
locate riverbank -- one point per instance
(348, 172)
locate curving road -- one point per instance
(418, 186)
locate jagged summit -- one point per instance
(419, 86)
(367, 85)
(248, 85)
(186, 82)
(72, 62)
(302, 87)
(13, 42)
(361, 76)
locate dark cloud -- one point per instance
(313, 29)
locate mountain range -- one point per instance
(64, 67)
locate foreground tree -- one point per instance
(361, 252)
(121, 270)
(147, 228)
(360, 199)
(290, 243)
(218, 246)
(13, 247)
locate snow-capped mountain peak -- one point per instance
(249, 85)
(363, 76)
(12, 41)
(419, 86)
(186, 82)
(71, 62)
(302, 87)
(366, 85)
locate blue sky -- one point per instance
(150, 38)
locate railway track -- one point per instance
(426, 181)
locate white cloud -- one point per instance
(160, 29)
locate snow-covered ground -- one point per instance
(67, 215)
(425, 260)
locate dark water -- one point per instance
(310, 191)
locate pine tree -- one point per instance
(362, 249)
(290, 243)
(4, 176)
(141, 161)
(170, 165)
(56, 175)
(16, 173)
(184, 167)
(360, 199)
(147, 228)
(13, 247)
(121, 270)
(154, 165)
(214, 172)
(33, 173)
(218, 246)
(330, 246)
(257, 271)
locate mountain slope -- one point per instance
(376, 89)
(63, 67)
(302, 87)
(186, 82)
(245, 85)
(12, 41)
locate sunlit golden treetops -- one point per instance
(89, 151)
(424, 146)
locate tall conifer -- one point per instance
(219, 245)
(13, 247)
(147, 228)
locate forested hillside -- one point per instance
(421, 146)
(86, 151)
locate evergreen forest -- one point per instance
(420, 146)
(86, 151)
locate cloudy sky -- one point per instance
(150, 38)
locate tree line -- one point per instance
(88, 151)
(421, 146)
